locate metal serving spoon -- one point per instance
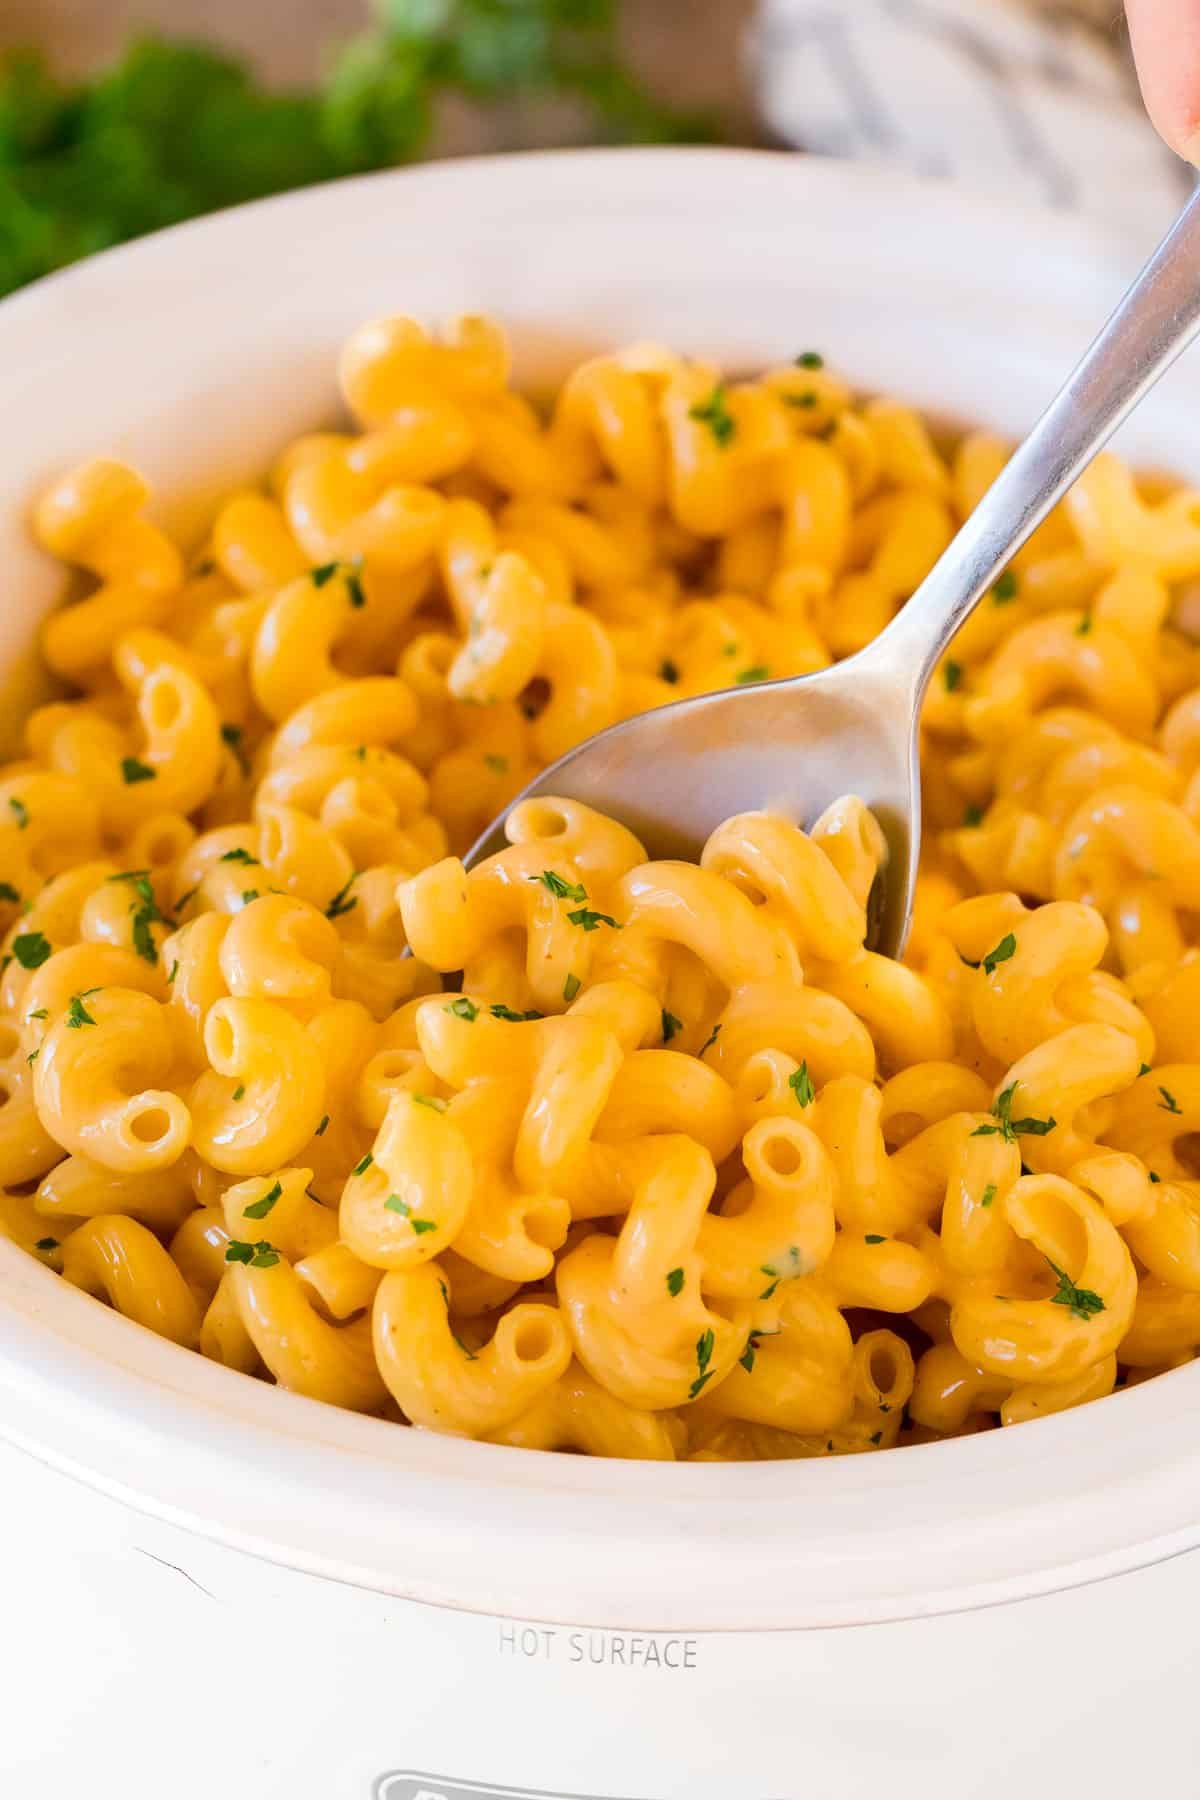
(795, 746)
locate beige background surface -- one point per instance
(689, 50)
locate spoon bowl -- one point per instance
(795, 746)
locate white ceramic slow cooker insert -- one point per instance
(215, 1588)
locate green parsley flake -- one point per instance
(670, 1026)
(668, 671)
(972, 816)
(588, 920)
(1083, 1303)
(133, 771)
(340, 904)
(232, 735)
(877, 1437)
(562, 890)
(262, 1207)
(239, 856)
(431, 1101)
(31, 949)
(46, 1244)
(1084, 626)
(239, 1092)
(1005, 587)
(704, 1349)
(77, 1013)
(759, 672)
(1168, 1103)
(571, 987)
(988, 1195)
(322, 1127)
(497, 764)
(259, 1256)
(462, 1008)
(421, 1226)
(500, 1011)
(41, 1013)
(322, 573)
(363, 1164)
(710, 1040)
(715, 413)
(1155, 1178)
(1011, 1129)
(951, 674)
(1002, 953)
(20, 812)
(810, 359)
(173, 974)
(354, 590)
(806, 401)
(801, 1085)
(873, 1237)
(8, 892)
(675, 1283)
(1143, 1070)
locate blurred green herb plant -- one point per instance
(177, 129)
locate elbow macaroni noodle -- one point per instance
(677, 1167)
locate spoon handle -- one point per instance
(1157, 318)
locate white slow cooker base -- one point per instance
(275, 1685)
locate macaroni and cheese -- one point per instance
(579, 1150)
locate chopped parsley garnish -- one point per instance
(421, 1226)
(801, 1085)
(675, 1283)
(173, 974)
(1154, 1177)
(47, 1244)
(1005, 587)
(562, 890)
(232, 734)
(1168, 1103)
(259, 1256)
(806, 400)
(1144, 1069)
(972, 816)
(145, 912)
(395, 1204)
(354, 589)
(239, 856)
(33, 1056)
(133, 771)
(469, 1354)
(1007, 1127)
(239, 1092)
(588, 920)
(321, 1128)
(432, 1102)
(715, 413)
(758, 672)
(1083, 1303)
(711, 1039)
(876, 1437)
(988, 1194)
(873, 1237)
(363, 1164)
(704, 1350)
(1084, 626)
(261, 1208)
(1003, 951)
(810, 359)
(9, 892)
(670, 1026)
(41, 1013)
(20, 812)
(462, 1008)
(668, 671)
(571, 987)
(322, 573)
(500, 1011)
(497, 764)
(184, 899)
(951, 674)
(31, 949)
(340, 904)
(77, 1013)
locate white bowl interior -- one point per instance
(196, 355)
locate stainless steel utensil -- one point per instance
(795, 746)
